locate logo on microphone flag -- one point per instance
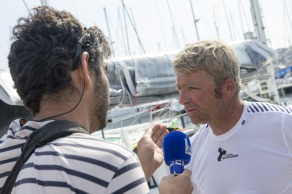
(187, 146)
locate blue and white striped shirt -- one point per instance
(79, 163)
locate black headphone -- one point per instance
(77, 56)
(75, 64)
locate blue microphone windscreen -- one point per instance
(176, 146)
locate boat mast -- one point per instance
(134, 27)
(257, 21)
(261, 36)
(175, 37)
(195, 20)
(125, 13)
(109, 32)
(125, 21)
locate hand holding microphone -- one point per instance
(177, 184)
(177, 151)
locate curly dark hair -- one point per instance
(46, 48)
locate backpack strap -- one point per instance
(40, 137)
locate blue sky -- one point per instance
(160, 24)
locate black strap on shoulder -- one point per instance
(40, 137)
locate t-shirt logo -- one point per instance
(223, 155)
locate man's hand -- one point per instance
(149, 149)
(180, 184)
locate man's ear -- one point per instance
(83, 70)
(229, 86)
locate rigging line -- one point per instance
(228, 22)
(26, 6)
(195, 20)
(140, 43)
(124, 90)
(244, 15)
(161, 25)
(132, 16)
(125, 21)
(240, 17)
(136, 116)
(203, 15)
(134, 23)
(139, 114)
(235, 33)
(109, 32)
(173, 25)
(122, 30)
(215, 24)
(220, 20)
(183, 35)
(150, 113)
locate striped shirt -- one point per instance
(79, 163)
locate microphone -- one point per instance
(176, 148)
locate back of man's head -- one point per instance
(47, 47)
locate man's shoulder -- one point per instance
(265, 107)
(98, 146)
(201, 133)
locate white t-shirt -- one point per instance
(254, 157)
(79, 163)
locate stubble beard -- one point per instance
(99, 108)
